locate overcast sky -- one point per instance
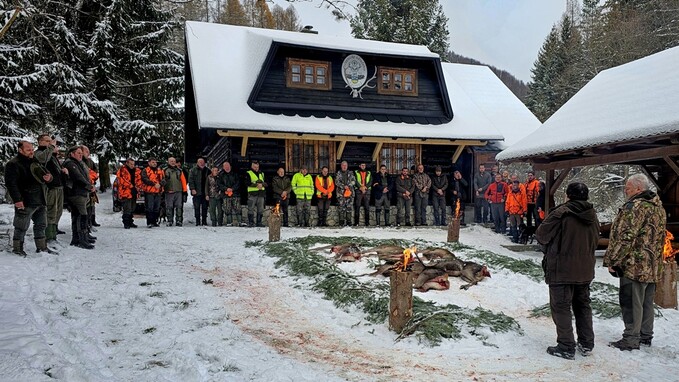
(504, 33)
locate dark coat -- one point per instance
(229, 180)
(439, 182)
(403, 185)
(570, 234)
(197, 178)
(379, 183)
(78, 183)
(280, 184)
(461, 187)
(50, 161)
(21, 185)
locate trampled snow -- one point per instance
(137, 308)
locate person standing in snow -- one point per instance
(153, 179)
(46, 154)
(382, 189)
(94, 176)
(256, 195)
(635, 254)
(439, 185)
(229, 185)
(129, 184)
(25, 186)
(303, 187)
(214, 197)
(422, 183)
(197, 185)
(345, 181)
(175, 187)
(482, 180)
(78, 189)
(325, 185)
(570, 235)
(404, 191)
(362, 189)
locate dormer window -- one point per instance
(397, 81)
(308, 74)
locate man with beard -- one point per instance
(422, 183)
(25, 186)
(404, 189)
(634, 254)
(363, 185)
(439, 185)
(570, 235)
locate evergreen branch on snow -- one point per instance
(431, 323)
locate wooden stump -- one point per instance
(666, 288)
(401, 300)
(274, 227)
(454, 231)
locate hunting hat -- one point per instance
(577, 191)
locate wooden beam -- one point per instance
(650, 176)
(244, 147)
(672, 164)
(626, 157)
(340, 149)
(549, 199)
(350, 138)
(557, 183)
(670, 184)
(376, 152)
(458, 152)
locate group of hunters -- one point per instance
(215, 191)
(40, 185)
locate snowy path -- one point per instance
(136, 308)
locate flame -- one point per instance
(457, 209)
(277, 209)
(669, 252)
(408, 254)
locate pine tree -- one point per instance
(258, 13)
(541, 90)
(420, 22)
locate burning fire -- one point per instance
(277, 209)
(457, 209)
(408, 254)
(668, 252)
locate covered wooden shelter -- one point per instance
(625, 115)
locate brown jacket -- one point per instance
(570, 235)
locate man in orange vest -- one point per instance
(152, 179)
(324, 188)
(532, 190)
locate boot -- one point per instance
(251, 220)
(60, 232)
(41, 246)
(347, 218)
(82, 241)
(18, 248)
(259, 220)
(93, 222)
(377, 217)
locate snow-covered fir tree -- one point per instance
(420, 22)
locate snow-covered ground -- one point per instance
(137, 309)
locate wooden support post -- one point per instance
(454, 230)
(274, 227)
(666, 288)
(401, 300)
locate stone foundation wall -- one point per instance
(333, 216)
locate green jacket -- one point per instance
(303, 186)
(637, 237)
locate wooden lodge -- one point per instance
(291, 99)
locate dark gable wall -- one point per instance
(273, 87)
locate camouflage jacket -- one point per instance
(637, 238)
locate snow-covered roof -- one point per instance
(633, 101)
(226, 60)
